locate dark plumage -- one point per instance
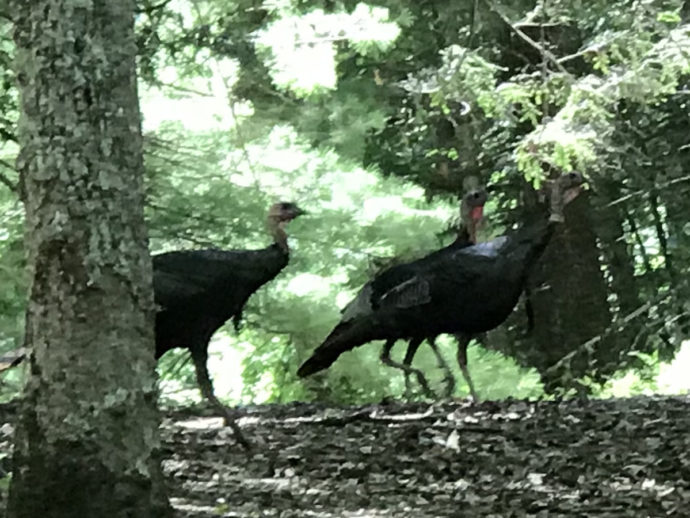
(462, 291)
(471, 216)
(197, 291)
(375, 291)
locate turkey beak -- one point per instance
(299, 212)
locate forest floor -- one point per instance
(603, 458)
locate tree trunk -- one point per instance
(569, 298)
(87, 435)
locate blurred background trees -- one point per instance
(372, 115)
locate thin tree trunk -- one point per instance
(87, 436)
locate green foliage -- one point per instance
(5, 482)
(400, 108)
(12, 278)
(371, 116)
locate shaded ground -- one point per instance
(598, 458)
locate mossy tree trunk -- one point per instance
(86, 439)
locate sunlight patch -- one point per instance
(301, 51)
(200, 104)
(308, 283)
(673, 376)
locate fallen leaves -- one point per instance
(628, 457)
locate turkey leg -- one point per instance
(206, 387)
(386, 358)
(448, 377)
(412, 347)
(463, 342)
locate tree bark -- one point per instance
(87, 436)
(569, 299)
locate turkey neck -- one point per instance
(467, 231)
(547, 226)
(556, 208)
(530, 241)
(278, 233)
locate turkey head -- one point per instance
(279, 215)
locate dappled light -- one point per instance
(431, 460)
(409, 258)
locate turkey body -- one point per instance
(456, 290)
(388, 283)
(376, 291)
(197, 291)
(468, 290)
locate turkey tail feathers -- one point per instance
(345, 337)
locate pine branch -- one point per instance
(640, 243)
(618, 325)
(546, 54)
(660, 232)
(642, 192)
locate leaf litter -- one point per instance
(603, 458)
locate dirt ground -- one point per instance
(613, 458)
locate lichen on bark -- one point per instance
(86, 442)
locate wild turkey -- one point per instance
(197, 291)
(463, 291)
(371, 294)
(471, 215)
